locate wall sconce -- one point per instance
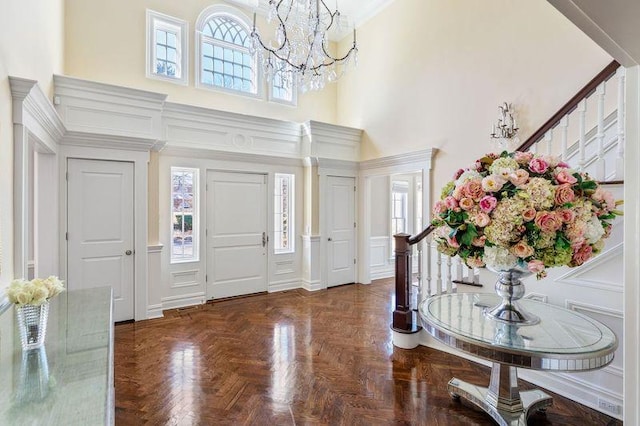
(506, 127)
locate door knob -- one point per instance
(128, 252)
(329, 239)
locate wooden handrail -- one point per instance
(590, 87)
(422, 235)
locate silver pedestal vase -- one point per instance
(511, 289)
(32, 323)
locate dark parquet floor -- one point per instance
(296, 358)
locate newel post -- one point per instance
(402, 314)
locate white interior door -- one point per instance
(236, 234)
(100, 229)
(341, 252)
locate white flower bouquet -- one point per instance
(34, 292)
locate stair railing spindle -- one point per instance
(600, 164)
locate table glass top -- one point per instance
(561, 332)
(67, 381)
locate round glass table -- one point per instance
(563, 340)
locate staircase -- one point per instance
(588, 133)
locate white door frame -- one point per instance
(140, 162)
(404, 163)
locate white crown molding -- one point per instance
(32, 108)
(210, 154)
(94, 140)
(92, 107)
(417, 159)
(369, 9)
(331, 141)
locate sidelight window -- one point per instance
(184, 193)
(283, 213)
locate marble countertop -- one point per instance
(69, 381)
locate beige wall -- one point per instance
(105, 42)
(31, 46)
(431, 73)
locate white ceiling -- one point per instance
(356, 11)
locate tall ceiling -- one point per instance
(356, 11)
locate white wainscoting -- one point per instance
(382, 265)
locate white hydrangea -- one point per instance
(499, 258)
(467, 176)
(594, 230)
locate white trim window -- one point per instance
(283, 214)
(223, 52)
(184, 216)
(399, 207)
(283, 88)
(167, 48)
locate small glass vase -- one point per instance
(511, 289)
(32, 323)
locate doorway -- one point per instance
(100, 229)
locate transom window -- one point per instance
(283, 88)
(166, 48)
(225, 58)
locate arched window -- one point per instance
(223, 57)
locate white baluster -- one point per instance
(449, 279)
(582, 116)
(476, 276)
(470, 274)
(548, 137)
(564, 127)
(459, 265)
(429, 260)
(439, 274)
(534, 148)
(420, 281)
(621, 118)
(600, 166)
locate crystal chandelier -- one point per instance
(301, 51)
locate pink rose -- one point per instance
(567, 215)
(467, 204)
(538, 165)
(453, 242)
(481, 219)
(520, 177)
(439, 208)
(474, 262)
(488, 203)
(479, 241)
(529, 214)
(564, 194)
(473, 189)
(563, 176)
(535, 266)
(548, 221)
(522, 250)
(563, 165)
(583, 254)
(457, 193)
(523, 157)
(450, 202)
(604, 197)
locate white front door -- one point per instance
(236, 234)
(100, 229)
(341, 253)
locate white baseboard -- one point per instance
(154, 311)
(284, 285)
(182, 301)
(570, 386)
(312, 285)
(383, 273)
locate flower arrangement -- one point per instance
(519, 209)
(34, 292)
